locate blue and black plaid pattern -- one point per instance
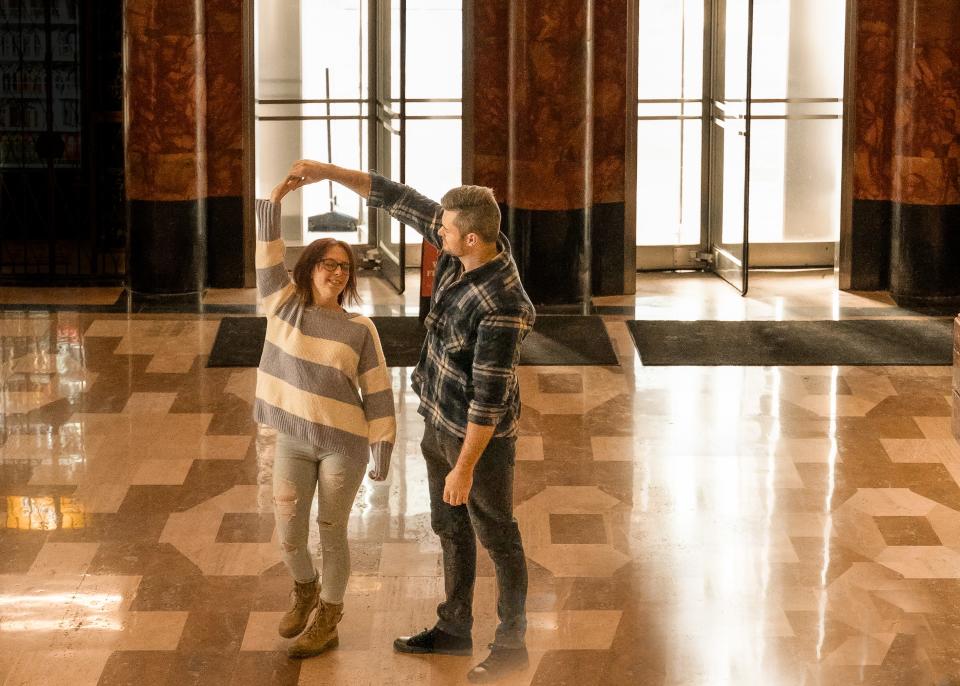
(477, 321)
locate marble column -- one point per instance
(905, 232)
(183, 92)
(527, 90)
(925, 230)
(166, 156)
(225, 143)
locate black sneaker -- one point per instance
(499, 662)
(434, 641)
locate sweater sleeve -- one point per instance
(273, 282)
(377, 398)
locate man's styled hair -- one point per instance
(477, 211)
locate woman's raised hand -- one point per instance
(290, 183)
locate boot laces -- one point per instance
(300, 592)
(295, 598)
(324, 611)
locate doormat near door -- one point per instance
(803, 343)
(555, 340)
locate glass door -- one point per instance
(418, 113)
(729, 110)
(670, 61)
(693, 175)
(796, 127)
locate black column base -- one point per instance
(870, 245)
(548, 248)
(167, 247)
(225, 242)
(152, 302)
(925, 255)
(929, 305)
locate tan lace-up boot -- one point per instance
(321, 635)
(304, 597)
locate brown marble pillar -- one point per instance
(906, 208)
(527, 92)
(873, 107)
(224, 76)
(184, 144)
(166, 156)
(925, 235)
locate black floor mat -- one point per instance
(567, 340)
(814, 343)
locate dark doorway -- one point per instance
(62, 209)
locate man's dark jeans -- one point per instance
(489, 513)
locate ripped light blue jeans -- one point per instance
(299, 470)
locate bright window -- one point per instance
(312, 92)
(669, 126)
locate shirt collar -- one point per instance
(499, 262)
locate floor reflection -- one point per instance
(684, 525)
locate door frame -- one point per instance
(729, 267)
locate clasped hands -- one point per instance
(301, 173)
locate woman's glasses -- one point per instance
(331, 266)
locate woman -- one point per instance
(323, 384)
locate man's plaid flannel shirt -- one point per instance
(477, 321)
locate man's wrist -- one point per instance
(463, 465)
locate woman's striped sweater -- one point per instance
(322, 376)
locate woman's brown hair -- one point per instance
(310, 259)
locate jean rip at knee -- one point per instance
(285, 501)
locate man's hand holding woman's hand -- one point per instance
(291, 183)
(301, 173)
(310, 171)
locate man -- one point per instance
(469, 398)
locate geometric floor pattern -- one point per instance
(683, 525)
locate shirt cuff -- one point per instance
(378, 190)
(384, 193)
(485, 415)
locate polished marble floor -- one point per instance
(683, 525)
